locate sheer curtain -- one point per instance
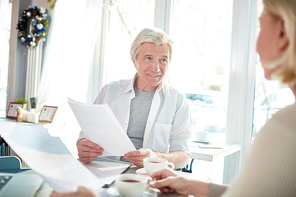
(71, 40)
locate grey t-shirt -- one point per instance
(139, 111)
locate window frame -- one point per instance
(241, 84)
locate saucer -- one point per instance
(141, 171)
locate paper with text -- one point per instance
(49, 157)
(99, 124)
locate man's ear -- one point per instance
(135, 64)
(283, 37)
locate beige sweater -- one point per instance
(270, 167)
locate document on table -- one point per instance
(106, 171)
(49, 157)
(100, 125)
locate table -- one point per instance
(44, 124)
(210, 152)
(45, 189)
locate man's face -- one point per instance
(152, 65)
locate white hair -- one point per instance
(152, 35)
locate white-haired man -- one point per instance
(153, 113)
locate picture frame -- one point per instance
(33, 102)
(47, 113)
(12, 109)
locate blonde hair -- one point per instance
(154, 35)
(286, 10)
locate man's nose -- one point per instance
(155, 66)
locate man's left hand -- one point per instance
(136, 157)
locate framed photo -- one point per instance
(47, 113)
(33, 102)
(12, 109)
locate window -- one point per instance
(127, 19)
(5, 22)
(201, 56)
(200, 64)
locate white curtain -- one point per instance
(70, 45)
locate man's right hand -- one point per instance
(88, 151)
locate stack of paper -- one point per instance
(49, 157)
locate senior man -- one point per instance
(154, 115)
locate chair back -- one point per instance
(9, 163)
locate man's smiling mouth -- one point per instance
(153, 75)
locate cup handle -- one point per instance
(148, 182)
(171, 165)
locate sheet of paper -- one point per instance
(99, 124)
(49, 157)
(106, 171)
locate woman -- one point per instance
(270, 167)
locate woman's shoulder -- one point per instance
(282, 125)
(286, 115)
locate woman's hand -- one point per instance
(81, 192)
(168, 182)
(162, 174)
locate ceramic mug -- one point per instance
(153, 164)
(132, 185)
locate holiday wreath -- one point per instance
(32, 26)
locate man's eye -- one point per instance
(148, 58)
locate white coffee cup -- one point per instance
(153, 164)
(132, 185)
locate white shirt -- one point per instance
(168, 125)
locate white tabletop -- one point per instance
(212, 152)
(44, 124)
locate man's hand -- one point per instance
(88, 151)
(168, 182)
(81, 192)
(136, 157)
